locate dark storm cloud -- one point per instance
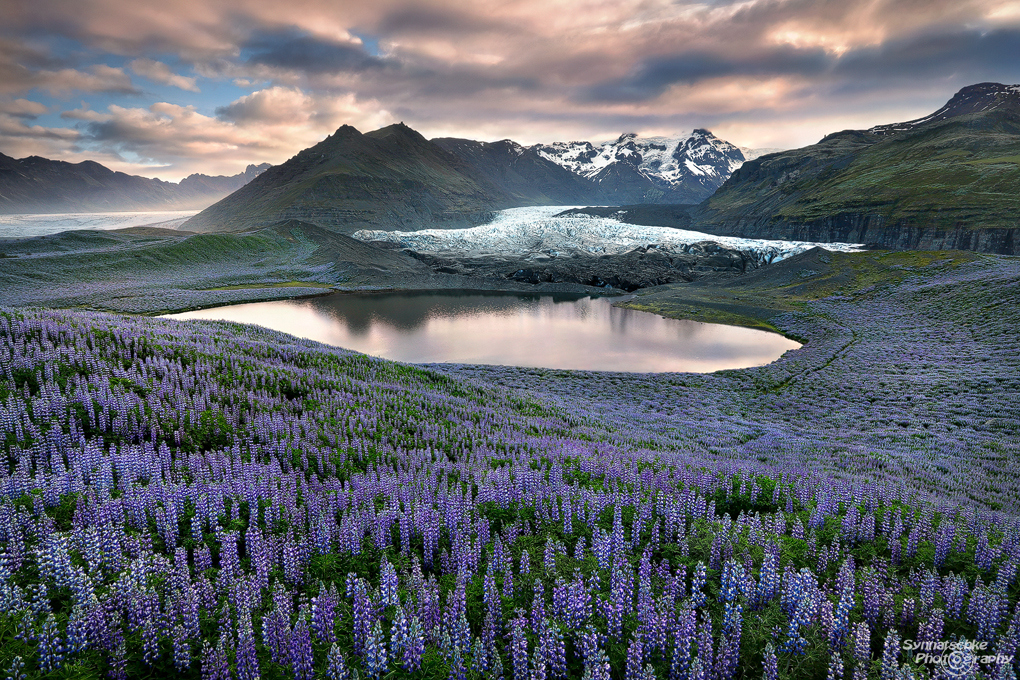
(299, 51)
(985, 55)
(653, 76)
(958, 53)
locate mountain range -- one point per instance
(395, 178)
(947, 180)
(40, 185)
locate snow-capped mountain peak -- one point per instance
(692, 163)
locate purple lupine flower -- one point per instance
(635, 653)
(276, 634)
(151, 634)
(732, 576)
(728, 655)
(771, 663)
(596, 666)
(300, 654)
(519, 648)
(683, 637)
(835, 665)
(364, 615)
(388, 584)
(414, 646)
(479, 657)
(181, 648)
(698, 586)
(247, 661)
(399, 632)
(51, 646)
(376, 656)
(861, 650)
(768, 578)
(705, 651)
(840, 621)
(214, 662)
(324, 615)
(496, 669)
(458, 669)
(538, 667)
(78, 633)
(492, 602)
(891, 656)
(553, 650)
(336, 665)
(537, 605)
(16, 671)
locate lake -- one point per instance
(550, 331)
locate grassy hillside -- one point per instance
(947, 183)
(151, 270)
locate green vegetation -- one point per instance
(962, 173)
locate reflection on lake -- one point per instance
(510, 329)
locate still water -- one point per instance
(510, 329)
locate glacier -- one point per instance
(539, 231)
(23, 225)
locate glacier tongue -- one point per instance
(536, 231)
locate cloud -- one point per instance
(268, 125)
(98, 78)
(20, 72)
(23, 108)
(982, 54)
(300, 51)
(19, 139)
(528, 69)
(417, 20)
(86, 114)
(158, 72)
(974, 53)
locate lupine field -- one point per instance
(214, 501)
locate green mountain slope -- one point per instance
(392, 177)
(950, 180)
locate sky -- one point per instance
(169, 88)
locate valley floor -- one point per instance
(205, 499)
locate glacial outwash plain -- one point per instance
(205, 499)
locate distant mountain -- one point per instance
(948, 180)
(40, 185)
(392, 178)
(204, 185)
(522, 172)
(682, 169)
